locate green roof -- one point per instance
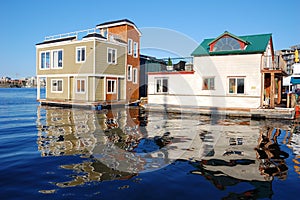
(255, 44)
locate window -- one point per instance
(45, 60)
(227, 44)
(129, 73)
(135, 49)
(161, 85)
(208, 83)
(80, 86)
(80, 54)
(111, 86)
(135, 75)
(57, 59)
(236, 86)
(111, 56)
(129, 46)
(56, 85)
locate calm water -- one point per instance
(52, 153)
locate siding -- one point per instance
(99, 93)
(235, 65)
(186, 89)
(80, 96)
(102, 67)
(57, 95)
(69, 58)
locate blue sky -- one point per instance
(25, 23)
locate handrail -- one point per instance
(70, 34)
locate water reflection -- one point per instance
(121, 143)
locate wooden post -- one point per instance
(279, 91)
(38, 87)
(262, 90)
(272, 91)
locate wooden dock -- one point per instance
(99, 105)
(276, 113)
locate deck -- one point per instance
(99, 105)
(276, 113)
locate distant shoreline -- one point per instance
(8, 85)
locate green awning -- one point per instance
(295, 80)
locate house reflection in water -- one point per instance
(245, 154)
(65, 132)
(120, 143)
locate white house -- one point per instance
(228, 72)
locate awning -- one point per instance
(295, 80)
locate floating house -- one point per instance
(94, 66)
(228, 71)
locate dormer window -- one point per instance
(227, 44)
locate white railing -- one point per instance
(71, 34)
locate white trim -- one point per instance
(118, 24)
(94, 71)
(38, 88)
(135, 49)
(76, 58)
(130, 47)
(94, 88)
(129, 78)
(62, 85)
(235, 92)
(69, 95)
(76, 75)
(135, 74)
(116, 56)
(87, 89)
(52, 57)
(64, 43)
(76, 85)
(40, 60)
(104, 91)
(115, 89)
(161, 85)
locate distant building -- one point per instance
(286, 58)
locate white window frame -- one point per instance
(235, 90)
(112, 51)
(45, 64)
(135, 49)
(129, 72)
(160, 90)
(53, 62)
(80, 81)
(114, 81)
(80, 48)
(209, 78)
(135, 76)
(62, 86)
(129, 46)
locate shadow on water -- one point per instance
(120, 144)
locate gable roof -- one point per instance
(255, 44)
(229, 34)
(118, 23)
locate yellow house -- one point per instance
(84, 67)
